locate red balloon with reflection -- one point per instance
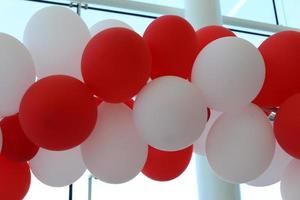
(116, 64)
(166, 165)
(16, 146)
(287, 126)
(173, 45)
(208, 34)
(58, 112)
(14, 179)
(281, 53)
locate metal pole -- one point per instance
(202, 13)
(275, 12)
(90, 184)
(71, 192)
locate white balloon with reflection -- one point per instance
(56, 37)
(290, 181)
(274, 172)
(240, 145)
(17, 73)
(199, 145)
(230, 72)
(114, 152)
(58, 168)
(106, 24)
(170, 113)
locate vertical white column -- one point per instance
(202, 13)
(210, 187)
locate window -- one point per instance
(141, 187)
(139, 24)
(255, 10)
(172, 3)
(288, 11)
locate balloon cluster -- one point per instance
(79, 114)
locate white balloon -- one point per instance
(240, 145)
(114, 152)
(58, 168)
(273, 174)
(230, 72)
(56, 37)
(170, 113)
(17, 73)
(290, 181)
(199, 145)
(106, 24)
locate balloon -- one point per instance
(274, 172)
(199, 145)
(170, 113)
(56, 37)
(106, 24)
(229, 72)
(16, 147)
(1, 140)
(116, 64)
(281, 53)
(58, 168)
(289, 186)
(58, 112)
(173, 45)
(15, 179)
(130, 103)
(240, 145)
(114, 152)
(17, 73)
(287, 126)
(208, 34)
(166, 165)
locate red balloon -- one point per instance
(14, 179)
(16, 146)
(210, 33)
(116, 64)
(281, 53)
(166, 165)
(130, 103)
(98, 101)
(58, 112)
(173, 44)
(287, 126)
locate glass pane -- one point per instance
(40, 191)
(80, 188)
(288, 12)
(14, 15)
(256, 10)
(260, 193)
(139, 24)
(142, 188)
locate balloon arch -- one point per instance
(79, 112)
